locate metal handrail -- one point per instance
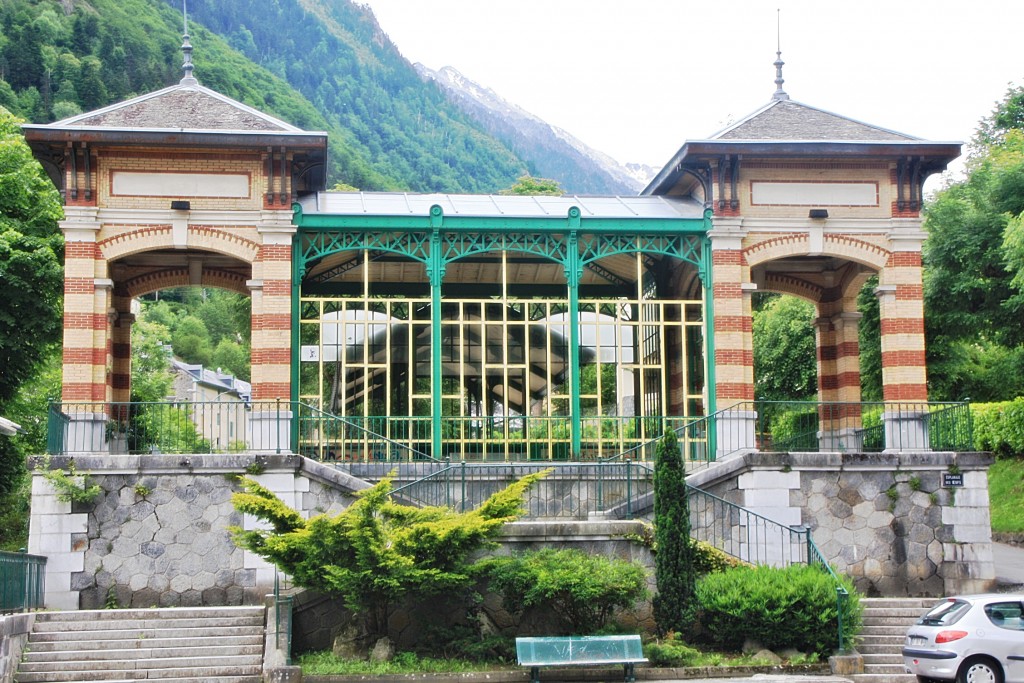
(22, 581)
(282, 426)
(282, 614)
(337, 434)
(815, 557)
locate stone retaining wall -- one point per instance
(886, 519)
(14, 630)
(158, 535)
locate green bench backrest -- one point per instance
(543, 651)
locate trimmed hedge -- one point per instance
(777, 607)
(582, 589)
(999, 427)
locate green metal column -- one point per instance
(705, 271)
(435, 273)
(573, 273)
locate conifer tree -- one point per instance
(673, 561)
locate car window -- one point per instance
(1004, 615)
(945, 613)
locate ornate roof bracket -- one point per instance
(910, 176)
(73, 155)
(728, 172)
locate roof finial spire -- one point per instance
(186, 49)
(780, 94)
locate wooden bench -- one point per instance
(580, 651)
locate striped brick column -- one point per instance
(734, 340)
(839, 381)
(121, 357)
(271, 289)
(904, 376)
(901, 309)
(87, 297)
(86, 303)
(825, 343)
(847, 346)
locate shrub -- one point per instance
(999, 427)
(794, 429)
(673, 652)
(793, 607)
(582, 589)
(707, 559)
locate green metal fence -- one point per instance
(286, 426)
(22, 581)
(572, 490)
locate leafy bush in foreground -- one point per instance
(790, 607)
(582, 589)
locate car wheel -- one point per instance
(979, 670)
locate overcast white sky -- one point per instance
(636, 78)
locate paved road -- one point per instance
(767, 678)
(1009, 560)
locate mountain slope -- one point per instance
(335, 54)
(551, 151)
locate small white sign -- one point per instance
(310, 354)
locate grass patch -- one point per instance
(325, 663)
(1005, 488)
(667, 653)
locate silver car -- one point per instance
(971, 638)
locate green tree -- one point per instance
(191, 340)
(376, 552)
(674, 570)
(973, 302)
(31, 251)
(230, 356)
(528, 185)
(151, 368)
(785, 368)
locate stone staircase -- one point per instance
(174, 645)
(886, 621)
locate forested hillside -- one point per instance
(322, 65)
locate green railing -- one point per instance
(169, 427)
(283, 610)
(866, 427)
(815, 558)
(284, 426)
(573, 490)
(328, 437)
(22, 581)
(691, 435)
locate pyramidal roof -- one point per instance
(785, 119)
(181, 107)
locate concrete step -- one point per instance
(164, 639)
(96, 655)
(132, 664)
(883, 678)
(186, 679)
(142, 624)
(193, 674)
(145, 634)
(885, 624)
(216, 645)
(886, 669)
(153, 613)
